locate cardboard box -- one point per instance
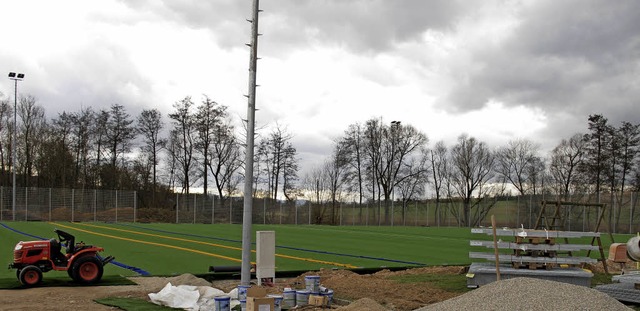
(260, 304)
(257, 300)
(618, 252)
(318, 301)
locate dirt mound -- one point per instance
(188, 279)
(391, 294)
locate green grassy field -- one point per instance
(171, 249)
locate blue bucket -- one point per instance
(222, 303)
(277, 302)
(302, 297)
(312, 283)
(242, 292)
(289, 298)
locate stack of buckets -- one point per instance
(312, 288)
(289, 298)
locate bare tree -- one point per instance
(440, 169)
(226, 159)
(628, 138)
(399, 145)
(335, 173)
(566, 158)
(472, 167)
(416, 171)
(33, 125)
(208, 117)
(184, 134)
(353, 149)
(514, 162)
(316, 183)
(149, 126)
(596, 156)
(6, 121)
(278, 155)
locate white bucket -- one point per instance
(222, 303)
(242, 292)
(329, 294)
(312, 283)
(289, 298)
(277, 302)
(302, 297)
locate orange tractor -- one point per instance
(82, 262)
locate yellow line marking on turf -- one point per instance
(223, 246)
(150, 243)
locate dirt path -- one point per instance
(346, 285)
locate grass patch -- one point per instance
(456, 283)
(110, 280)
(137, 304)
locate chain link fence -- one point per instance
(51, 204)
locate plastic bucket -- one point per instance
(312, 283)
(329, 294)
(302, 297)
(277, 302)
(242, 292)
(222, 303)
(289, 298)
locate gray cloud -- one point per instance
(567, 57)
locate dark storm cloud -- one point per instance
(364, 26)
(577, 57)
(97, 75)
(361, 26)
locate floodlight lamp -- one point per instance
(20, 75)
(12, 75)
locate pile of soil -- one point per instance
(353, 292)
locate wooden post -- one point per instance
(495, 247)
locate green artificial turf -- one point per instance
(173, 249)
(137, 304)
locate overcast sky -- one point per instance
(497, 70)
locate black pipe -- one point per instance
(225, 268)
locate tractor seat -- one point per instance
(55, 246)
(56, 255)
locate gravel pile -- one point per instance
(530, 294)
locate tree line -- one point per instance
(373, 162)
(379, 163)
(110, 149)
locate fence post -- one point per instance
(95, 204)
(135, 205)
(49, 204)
(264, 211)
(72, 205)
(195, 206)
(116, 206)
(213, 208)
(177, 207)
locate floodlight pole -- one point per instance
(245, 273)
(15, 77)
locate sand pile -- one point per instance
(530, 294)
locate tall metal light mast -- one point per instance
(245, 273)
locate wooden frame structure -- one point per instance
(554, 220)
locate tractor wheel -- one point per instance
(30, 276)
(87, 270)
